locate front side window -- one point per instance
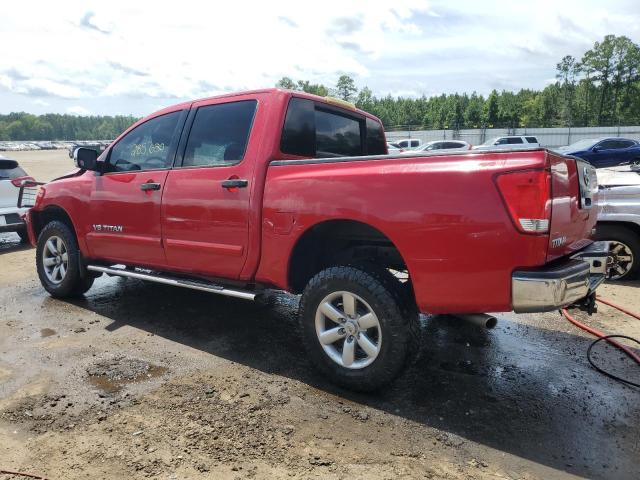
(514, 140)
(219, 134)
(608, 145)
(146, 147)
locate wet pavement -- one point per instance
(523, 389)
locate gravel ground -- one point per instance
(144, 381)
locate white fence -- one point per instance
(548, 137)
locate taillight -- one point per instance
(527, 196)
(18, 181)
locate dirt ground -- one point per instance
(140, 380)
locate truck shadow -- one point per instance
(523, 388)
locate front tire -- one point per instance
(357, 326)
(58, 262)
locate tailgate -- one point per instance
(574, 188)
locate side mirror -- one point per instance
(86, 159)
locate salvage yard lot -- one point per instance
(139, 380)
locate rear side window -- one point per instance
(625, 143)
(514, 140)
(9, 170)
(375, 138)
(337, 135)
(314, 130)
(219, 134)
(532, 139)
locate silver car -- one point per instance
(619, 220)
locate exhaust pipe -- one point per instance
(480, 319)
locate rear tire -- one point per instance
(24, 236)
(59, 263)
(624, 260)
(364, 342)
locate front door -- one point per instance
(126, 199)
(205, 206)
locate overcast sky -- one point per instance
(111, 57)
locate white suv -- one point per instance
(508, 142)
(11, 178)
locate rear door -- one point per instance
(206, 201)
(125, 200)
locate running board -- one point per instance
(176, 282)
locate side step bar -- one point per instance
(174, 281)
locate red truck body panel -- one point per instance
(444, 213)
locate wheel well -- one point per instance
(634, 227)
(340, 242)
(49, 214)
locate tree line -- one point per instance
(52, 126)
(602, 88)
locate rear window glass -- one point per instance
(219, 134)
(532, 139)
(9, 169)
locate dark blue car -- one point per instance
(605, 152)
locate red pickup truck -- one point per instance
(274, 189)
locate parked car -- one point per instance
(408, 143)
(11, 178)
(394, 148)
(442, 145)
(605, 152)
(273, 189)
(508, 142)
(619, 221)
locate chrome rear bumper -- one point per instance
(560, 285)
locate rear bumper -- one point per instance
(11, 220)
(561, 284)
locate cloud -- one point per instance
(125, 69)
(78, 110)
(287, 21)
(129, 57)
(88, 21)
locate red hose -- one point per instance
(600, 334)
(618, 307)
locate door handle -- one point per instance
(235, 183)
(149, 186)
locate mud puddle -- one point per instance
(112, 374)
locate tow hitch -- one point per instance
(586, 304)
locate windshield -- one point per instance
(491, 141)
(582, 144)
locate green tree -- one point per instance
(346, 88)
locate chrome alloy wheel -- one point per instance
(620, 260)
(348, 330)
(55, 259)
